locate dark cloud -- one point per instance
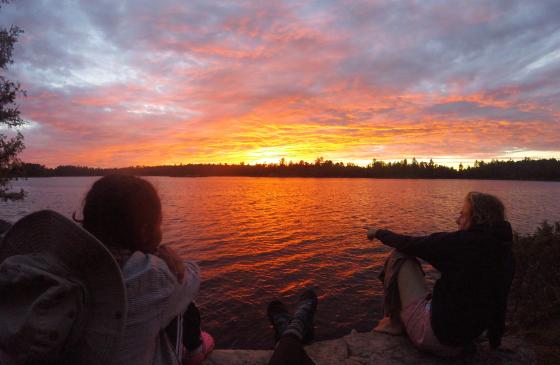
(467, 110)
(395, 77)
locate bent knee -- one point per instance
(412, 285)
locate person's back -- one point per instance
(124, 212)
(475, 277)
(155, 298)
(476, 265)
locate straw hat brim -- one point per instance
(89, 260)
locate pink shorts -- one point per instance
(416, 318)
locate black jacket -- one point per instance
(476, 268)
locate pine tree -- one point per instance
(11, 139)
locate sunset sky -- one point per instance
(118, 83)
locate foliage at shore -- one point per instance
(527, 169)
(534, 305)
(11, 139)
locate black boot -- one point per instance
(302, 325)
(279, 318)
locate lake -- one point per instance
(258, 239)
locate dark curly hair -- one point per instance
(486, 209)
(123, 211)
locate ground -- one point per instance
(380, 349)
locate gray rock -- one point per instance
(380, 349)
(238, 357)
(328, 352)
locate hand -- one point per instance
(173, 261)
(371, 232)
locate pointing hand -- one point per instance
(371, 232)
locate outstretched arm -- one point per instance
(435, 248)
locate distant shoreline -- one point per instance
(309, 177)
(527, 169)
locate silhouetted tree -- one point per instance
(510, 170)
(11, 139)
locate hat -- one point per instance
(4, 226)
(63, 295)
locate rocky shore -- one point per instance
(380, 349)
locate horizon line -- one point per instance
(364, 163)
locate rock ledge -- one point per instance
(371, 348)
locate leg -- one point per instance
(292, 332)
(198, 344)
(279, 317)
(289, 351)
(412, 287)
(191, 327)
(302, 325)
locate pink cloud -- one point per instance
(149, 84)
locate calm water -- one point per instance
(257, 239)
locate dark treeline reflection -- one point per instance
(527, 169)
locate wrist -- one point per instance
(372, 233)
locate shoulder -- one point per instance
(461, 238)
(141, 264)
(147, 276)
(148, 267)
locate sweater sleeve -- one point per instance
(436, 248)
(154, 294)
(182, 293)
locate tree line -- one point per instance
(527, 169)
(11, 139)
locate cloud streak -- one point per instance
(126, 83)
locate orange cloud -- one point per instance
(249, 82)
